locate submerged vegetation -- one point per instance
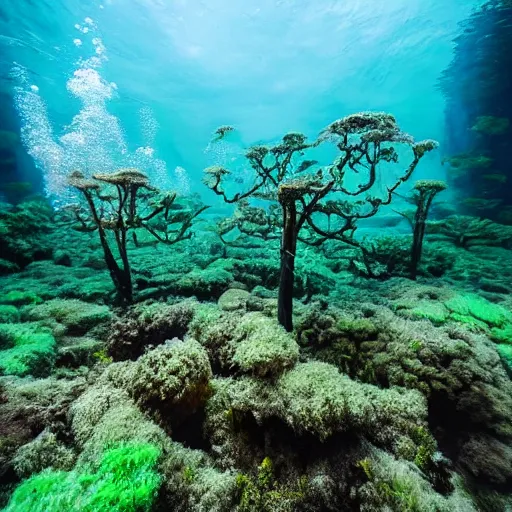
(318, 206)
(317, 328)
(188, 394)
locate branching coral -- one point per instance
(129, 204)
(363, 142)
(466, 231)
(425, 192)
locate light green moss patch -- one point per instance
(505, 352)
(19, 298)
(125, 480)
(465, 307)
(503, 335)
(9, 314)
(433, 311)
(26, 349)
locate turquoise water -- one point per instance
(255, 256)
(181, 70)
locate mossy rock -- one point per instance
(265, 348)
(172, 379)
(204, 284)
(234, 299)
(20, 298)
(26, 349)
(474, 310)
(76, 316)
(76, 352)
(9, 314)
(8, 267)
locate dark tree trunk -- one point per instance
(288, 247)
(417, 247)
(121, 277)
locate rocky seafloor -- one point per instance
(390, 394)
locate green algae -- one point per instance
(26, 349)
(474, 310)
(126, 480)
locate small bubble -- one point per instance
(34, 88)
(88, 21)
(77, 42)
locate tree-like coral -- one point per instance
(129, 204)
(467, 231)
(425, 192)
(364, 141)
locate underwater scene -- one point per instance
(255, 256)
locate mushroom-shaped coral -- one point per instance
(124, 177)
(430, 185)
(362, 121)
(293, 190)
(79, 181)
(424, 146)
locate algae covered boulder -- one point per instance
(233, 299)
(263, 347)
(146, 325)
(172, 380)
(253, 343)
(9, 314)
(125, 479)
(75, 317)
(26, 349)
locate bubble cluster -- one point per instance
(94, 140)
(36, 132)
(181, 181)
(149, 125)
